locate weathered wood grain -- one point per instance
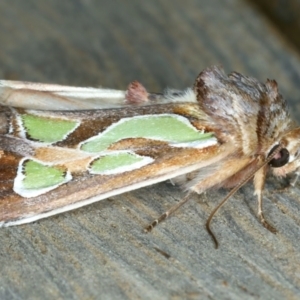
(100, 251)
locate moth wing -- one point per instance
(65, 147)
(55, 161)
(43, 96)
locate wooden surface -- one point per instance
(100, 251)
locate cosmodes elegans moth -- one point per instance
(65, 147)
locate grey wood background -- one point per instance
(284, 15)
(100, 251)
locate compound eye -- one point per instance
(280, 159)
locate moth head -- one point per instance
(288, 158)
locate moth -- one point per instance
(65, 147)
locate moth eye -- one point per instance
(280, 159)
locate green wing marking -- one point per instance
(47, 130)
(35, 178)
(165, 127)
(118, 162)
(39, 176)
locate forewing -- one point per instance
(53, 161)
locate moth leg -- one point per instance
(286, 188)
(166, 214)
(294, 181)
(290, 184)
(259, 182)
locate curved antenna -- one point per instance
(166, 214)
